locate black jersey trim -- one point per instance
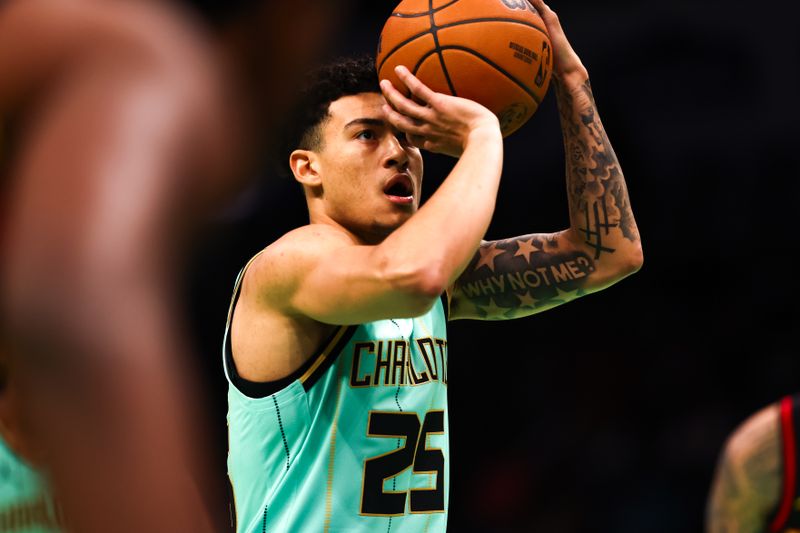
(308, 373)
(327, 356)
(262, 389)
(445, 305)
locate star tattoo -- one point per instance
(526, 300)
(526, 248)
(564, 295)
(488, 254)
(493, 311)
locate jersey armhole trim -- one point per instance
(446, 305)
(327, 356)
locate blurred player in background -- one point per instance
(124, 123)
(336, 345)
(755, 488)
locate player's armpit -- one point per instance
(319, 272)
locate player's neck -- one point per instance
(363, 236)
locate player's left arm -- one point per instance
(524, 275)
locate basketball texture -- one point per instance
(496, 52)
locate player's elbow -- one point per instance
(419, 284)
(429, 284)
(633, 260)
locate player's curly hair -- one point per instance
(342, 77)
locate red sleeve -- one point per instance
(789, 466)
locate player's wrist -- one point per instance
(575, 91)
(573, 79)
(484, 130)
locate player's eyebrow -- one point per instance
(366, 122)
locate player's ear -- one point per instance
(304, 165)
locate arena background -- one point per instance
(607, 414)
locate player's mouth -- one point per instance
(399, 189)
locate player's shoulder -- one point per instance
(758, 433)
(281, 266)
(300, 247)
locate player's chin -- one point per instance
(397, 218)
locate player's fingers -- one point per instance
(565, 58)
(543, 9)
(402, 104)
(402, 122)
(554, 28)
(418, 89)
(550, 19)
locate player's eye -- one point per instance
(367, 135)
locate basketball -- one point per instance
(496, 52)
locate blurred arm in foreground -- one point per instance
(124, 125)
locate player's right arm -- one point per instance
(321, 273)
(747, 482)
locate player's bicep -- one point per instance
(521, 276)
(314, 273)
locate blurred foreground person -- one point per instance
(755, 488)
(123, 124)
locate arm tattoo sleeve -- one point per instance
(518, 277)
(598, 198)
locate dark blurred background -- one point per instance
(610, 412)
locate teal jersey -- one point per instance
(25, 502)
(355, 440)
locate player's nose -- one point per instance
(396, 154)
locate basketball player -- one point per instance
(124, 123)
(336, 349)
(755, 488)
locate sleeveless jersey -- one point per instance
(786, 518)
(355, 440)
(25, 503)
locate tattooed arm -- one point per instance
(747, 483)
(525, 275)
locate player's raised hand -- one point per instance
(567, 66)
(434, 121)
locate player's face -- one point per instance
(371, 176)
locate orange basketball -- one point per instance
(496, 52)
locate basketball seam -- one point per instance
(493, 19)
(400, 45)
(391, 52)
(485, 60)
(415, 15)
(434, 30)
